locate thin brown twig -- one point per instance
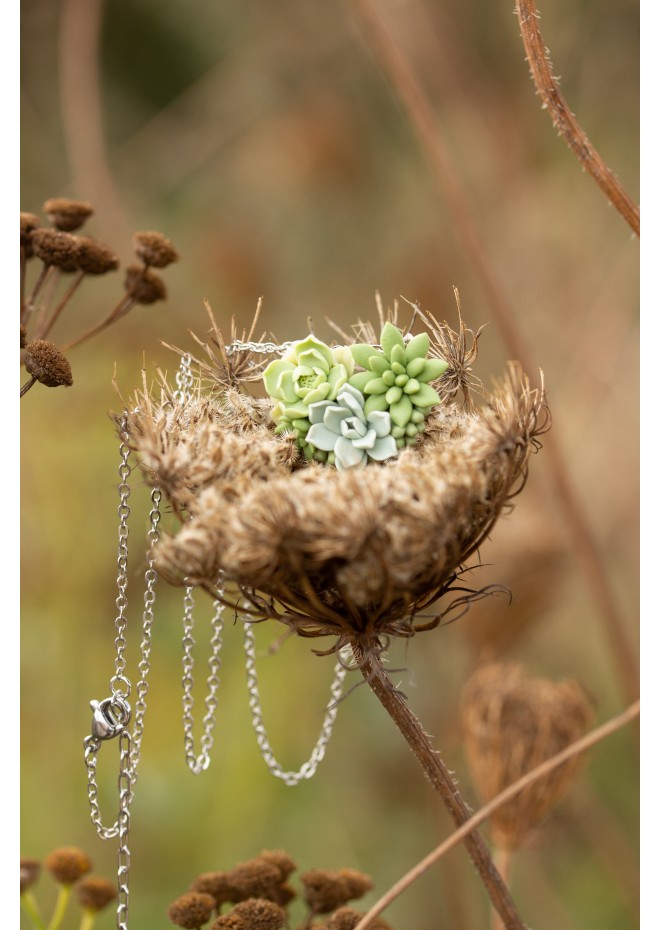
(579, 746)
(423, 122)
(564, 120)
(48, 324)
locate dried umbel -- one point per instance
(358, 554)
(511, 724)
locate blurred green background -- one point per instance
(263, 139)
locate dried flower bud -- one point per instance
(143, 285)
(67, 864)
(95, 893)
(94, 257)
(154, 249)
(324, 890)
(346, 918)
(253, 914)
(67, 215)
(56, 248)
(23, 336)
(191, 910)
(30, 869)
(281, 859)
(47, 364)
(29, 222)
(512, 724)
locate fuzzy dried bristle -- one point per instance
(67, 864)
(59, 249)
(347, 918)
(512, 724)
(252, 914)
(30, 869)
(154, 249)
(47, 364)
(191, 910)
(324, 890)
(95, 258)
(144, 285)
(29, 222)
(94, 893)
(67, 215)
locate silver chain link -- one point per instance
(199, 763)
(308, 768)
(263, 348)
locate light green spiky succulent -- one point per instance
(308, 373)
(395, 379)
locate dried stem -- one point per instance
(563, 119)
(579, 746)
(502, 859)
(441, 780)
(46, 327)
(28, 384)
(423, 122)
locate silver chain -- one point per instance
(263, 348)
(308, 768)
(199, 763)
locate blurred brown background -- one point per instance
(265, 141)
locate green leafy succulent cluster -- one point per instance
(396, 379)
(347, 418)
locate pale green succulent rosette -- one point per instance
(308, 373)
(347, 434)
(396, 379)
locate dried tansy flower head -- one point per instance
(94, 893)
(252, 914)
(154, 249)
(47, 364)
(511, 724)
(191, 910)
(359, 549)
(56, 248)
(144, 286)
(30, 869)
(67, 215)
(67, 864)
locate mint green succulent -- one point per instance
(308, 373)
(395, 380)
(346, 434)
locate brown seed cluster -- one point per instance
(94, 893)
(154, 249)
(191, 910)
(512, 723)
(67, 864)
(67, 215)
(47, 364)
(30, 869)
(325, 891)
(143, 285)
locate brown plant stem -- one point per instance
(23, 270)
(117, 313)
(502, 859)
(563, 119)
(46, 270)
(423, 122)
(394, 703)
(46, 327)
(28, 384)
(579, 746)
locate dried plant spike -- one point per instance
(67, 215)
(67, 864)
(144, 286)
(94, 257)
(56, 248)
(29, 222)
(30, 870)
(258, 914)
(94, 894)
(154, 249)
(47, 364)
(512, 723)
(191, 910)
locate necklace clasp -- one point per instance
(110, 717)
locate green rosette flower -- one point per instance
(308, 373)
(396, 379)
(346, 434)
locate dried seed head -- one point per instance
(67, 215)
(281, 859)
(94, 257)
(47, 364)
(67, 864)
(154, 249)
(252, 914)
(214, 883)
(512, 724)
(56, 248)
(255, 878)
(29, 222)
(23, 336)
(143, 285)
(30, 869)
(95, 893)
(346, 918)
(324, 890)
(191, 910)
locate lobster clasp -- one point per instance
(110, 717)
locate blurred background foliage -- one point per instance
(265, 142)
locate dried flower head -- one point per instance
(154, 249)
(255, 878)
(191, 910)
(67, 864)
(324, 890)
(56, 248)
(511, 724)
(94, 257)
(252, 914)
(29, 222)
(47, 364)
(281, 859)
(347, 918)
(30, 869)
(94, 894)
(216, 884)
(67, 215)
(143, 285)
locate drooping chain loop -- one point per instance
(199, 763)
(308, 768)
